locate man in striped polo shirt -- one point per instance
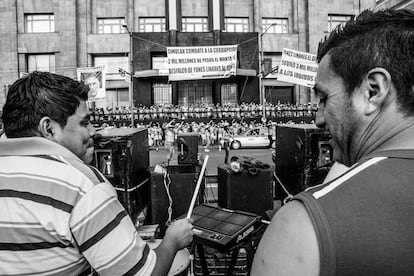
(359, 222)
(58, 215)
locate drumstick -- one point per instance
(197, 188)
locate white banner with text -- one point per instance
(297, 68)
(202, 62)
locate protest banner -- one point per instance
(94, 77)
(203, 62)
(297, 68)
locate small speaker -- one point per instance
(121, 154)
(244, 191)
(182, 182)
(303, 157)
(187, 144)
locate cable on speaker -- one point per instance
(167, 182)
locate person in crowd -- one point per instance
(60, 216)
(94, 84)
(169, 139)
(358, 223)
(226, 146)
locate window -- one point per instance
(229, 93)
(117, 97)
(110, 25)
(275, 25)
(337, 19)
(195, 24)
(151, 24)
(162, 93)
(194, 92)
(236, 25)
(40, 23)
(282, 94)
(160, 63)
(113, 63)
(41, 62)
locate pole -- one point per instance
(262, 95)
(131, 83)
(261, 73)
(131, 73)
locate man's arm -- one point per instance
(289, 245)
(106, 237)
(177, 236)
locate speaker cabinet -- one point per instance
(303, 157)
(183, 180)
(244, 191)
(187, 148)
(121, 154)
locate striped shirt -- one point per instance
(59, 216)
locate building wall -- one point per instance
(395, 4)
(75, 41)
(9, 65)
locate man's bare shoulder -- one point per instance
(289, 245)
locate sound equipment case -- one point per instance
(303, 157)
(183, 182)
(244, 191)
(122, 156)
(187, 148)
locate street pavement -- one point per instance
(216, 157)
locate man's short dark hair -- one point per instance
(37, 95)
(375, 39)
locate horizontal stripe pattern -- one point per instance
(103, 232)
(56, 208)
(28, 233)
(31, 246)
(41, 262)
(119, 259)
(38, 199)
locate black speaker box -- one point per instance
(121, 154)
(303, 157)
(187, 148)
(183, 180)
(244, 191)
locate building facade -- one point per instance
(63, 35)
(394, 4)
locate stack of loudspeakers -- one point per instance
(245, 192)
(303, 157)
(187, 148)
(183, 180)
(122, 156)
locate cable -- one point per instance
(167, 182)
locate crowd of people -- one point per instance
(61, 216)
(199, 111)
(211, 133)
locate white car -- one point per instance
(252, 138)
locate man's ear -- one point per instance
(47, 128)
(378, 89)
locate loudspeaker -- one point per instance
(182, 182)
(303, 157)
(244, 191)
(187, 147)
(121, 154)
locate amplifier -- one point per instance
(303, 157)
(187, 147)
(183, 180)
(244, 191)
(121, 154)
